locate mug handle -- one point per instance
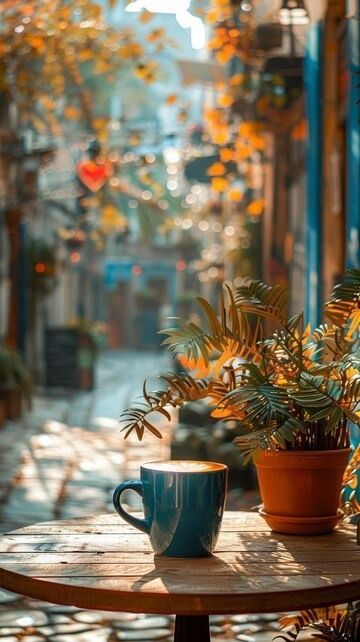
(143, 525)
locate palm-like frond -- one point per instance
(229, 332)
(180, 389)
(263, 300)
(296, 389)
(333, 624)
(344, 304)
(272, 436)
(322, 397)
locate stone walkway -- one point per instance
(63, 460)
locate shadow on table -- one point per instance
(249, 562)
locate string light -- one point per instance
(204, 226)
(40, 268)
(203, 277)
(181, 265)
(213, 272)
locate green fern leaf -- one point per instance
(263, 300)
(345, 299)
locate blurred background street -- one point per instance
(150, 151)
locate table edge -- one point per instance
(180, 603)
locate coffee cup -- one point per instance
(183, 505)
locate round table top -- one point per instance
(103, 563)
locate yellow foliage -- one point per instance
(171, 99)
(258, 142)
(72, 113)
(47, 102)
(146, 71)
(36, 42)
(100, 122)
(225, 54)
(256, 208)
(237, 79)
(219, 184)
(131, 50)
(225, 100)
(85, 54)
(145, 16)
(111, 219)
(156, 34)
(226, 154)
(235, 194)
(198, 365)
(247, 129)
(101, 67)
(216, 169)
(243, 150)
(221, 135)
(182, 115)
(212, 16)
(47, 56)
(212, 115)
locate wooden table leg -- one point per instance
(192, 628)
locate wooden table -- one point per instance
(103, 563)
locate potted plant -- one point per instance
(330, 624)
(15, 382)
(292, 393)
(2, 412)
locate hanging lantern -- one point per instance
(293, 12)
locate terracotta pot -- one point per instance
(12, 399)
(301, 489)
(2, 413)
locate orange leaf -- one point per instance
(171, 99)
(243, 150)
(225, 100)
(216, 169)
(235, 194)
(226, 154)
(225, 54)
(72, 113)
(156, 34)
(145, 16)
(237, 79)
(219, 184)
(256, 207)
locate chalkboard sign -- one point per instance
(61, 358)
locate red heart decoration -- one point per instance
(94, 176)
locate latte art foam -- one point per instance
(178, 466)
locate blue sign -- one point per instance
(115, 271)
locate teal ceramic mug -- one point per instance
(183, 505)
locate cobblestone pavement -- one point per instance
(63, 460)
